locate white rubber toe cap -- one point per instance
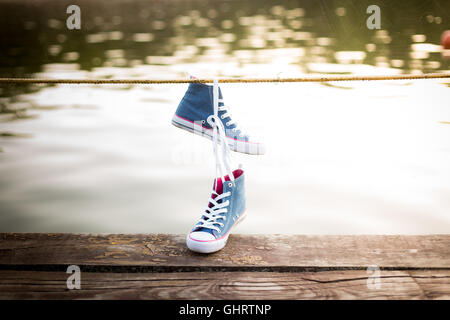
(201, 236)
(204, 242)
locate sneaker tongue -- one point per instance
(218, 184)
(218, 188)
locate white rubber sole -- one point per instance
(235, 145)
(212, 245)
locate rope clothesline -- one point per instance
(224, 80)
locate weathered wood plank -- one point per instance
(349, 284)
(435, 284)
(242, 251)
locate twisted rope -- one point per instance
(224, 80)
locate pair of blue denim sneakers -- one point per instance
(202, 111)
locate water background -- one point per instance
(343, 158)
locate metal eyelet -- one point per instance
(222, 117)
(203, 121)
(230, 184)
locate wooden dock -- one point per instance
(122, 266)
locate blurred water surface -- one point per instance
(343, 158)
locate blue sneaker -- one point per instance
(226, 208)
(195, 108)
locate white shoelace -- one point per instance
(215, 210)
(230, 122)
(219, 140)
(211, 217)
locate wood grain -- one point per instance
(243, 252)
(350, 284)
(120, 266)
